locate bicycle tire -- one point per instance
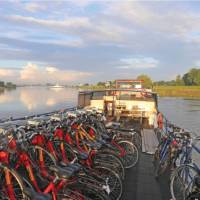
(89, 193)
(69, 153)
(131, 156)
(16, 179)
(113, 181)
(112, 160)
(48, 159)
(180, 195)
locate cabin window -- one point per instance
(127, 95)
(98, 95)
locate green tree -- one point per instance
(148, 83)
(101, 84)
(179, 80)
(192, 77)
(10, 85)
(2, 84)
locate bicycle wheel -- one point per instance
(181, 181)
(71, 194)
(156, 156)
(161, 165)
(42, 159)
(193, 196)
(113, 180)
(137, 140)
(64, 151)
(87, 193)
(131, 156)
(11, 184)
(105, 159)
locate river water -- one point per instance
(25, 101)
(32, 100)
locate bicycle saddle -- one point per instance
(105, 136)
(93, 145)
(112, 125)
(101, 141)
(63, 173)
(108, 145)
(197, 181)
(35, 195)
(80, 155)
(75, 167)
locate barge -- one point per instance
(134, 106)
(127, 105)
(128, 100)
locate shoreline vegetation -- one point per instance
(6, 86)
(187, 85)
(162, 91)
(178, 91)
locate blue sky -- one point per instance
(90, 41)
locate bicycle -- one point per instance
(185, 181)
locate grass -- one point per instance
(164, 91)
(92, 87)
(178, 91)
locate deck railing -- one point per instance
(36, 115)
(194, 135)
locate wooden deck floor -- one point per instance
(140, 183)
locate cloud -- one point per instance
(88, 29)
(51, 70)
(82, 3)
(138, 63)
(6, 72)
(94, 35)
(33, 73)
(170, 21)
(34, 7)
(69, 22)
(117, 22)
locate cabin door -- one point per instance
(109, 108)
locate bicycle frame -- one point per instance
(55, 184)
(4, 155)
(188, 177)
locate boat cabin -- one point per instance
(128, 100)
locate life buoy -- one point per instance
(160, 120)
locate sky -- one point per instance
(86, 41)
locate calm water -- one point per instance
(183, 112)
(32, 100)
(186, 114)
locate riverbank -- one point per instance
(178, 91)
(163, 91)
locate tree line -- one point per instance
(191, 78)
(7, 84)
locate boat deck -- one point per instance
(140, 181)
(141, 184)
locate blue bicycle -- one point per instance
(167, 152)
(185, 181)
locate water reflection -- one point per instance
(184, 112)
(29, 100)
